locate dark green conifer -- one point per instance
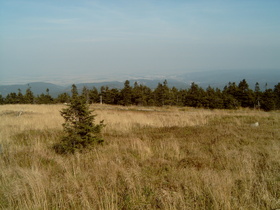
(126, 94)
(79, 127)
(29, 96)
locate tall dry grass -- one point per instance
(153, 158)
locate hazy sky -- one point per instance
(45, 39)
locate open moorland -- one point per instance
(152, 158)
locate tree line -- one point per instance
(232, 96)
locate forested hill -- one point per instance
(36, 87)
(215, 79)
(54, 90)
(266, 78)
(232, 96)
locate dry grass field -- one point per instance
(153, 158)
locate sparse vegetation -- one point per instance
(153, 158)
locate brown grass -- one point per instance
(153, 158)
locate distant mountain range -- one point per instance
(181, 81)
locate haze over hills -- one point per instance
(179, 80)
(221, 78)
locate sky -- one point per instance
(58, 40)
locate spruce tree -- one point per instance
(74, 91)
(277, 95)
(63, 98)
(11, 98)
(94, 95)
(20, 97)
(29, 96)
(79, 127)
(2, 100)
(159, 95)
(268, 100)
(126, 94)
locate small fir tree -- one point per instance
(2, 100)
(63, 98)
(29, 96)
(20, 97)
(74, 91)
(126, 94)
(79, 128)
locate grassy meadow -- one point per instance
(153, 158)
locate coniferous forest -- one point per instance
(232, 96)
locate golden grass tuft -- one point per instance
(153, 158)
